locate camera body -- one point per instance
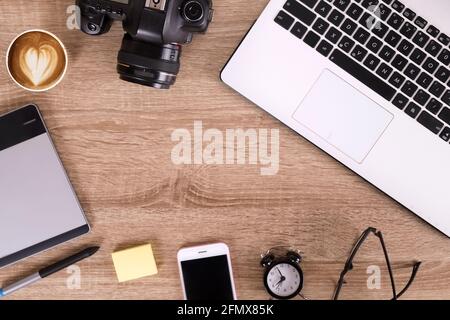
(154, 33)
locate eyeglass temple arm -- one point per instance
(388, 263)
(337, 291)
(349, 263)
(413, 273)
(411, 279)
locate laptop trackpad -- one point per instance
(343, 116)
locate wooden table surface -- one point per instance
(114, 139)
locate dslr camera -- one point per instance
(154, 32)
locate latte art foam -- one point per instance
(36, 60)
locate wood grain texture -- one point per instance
(114, 140)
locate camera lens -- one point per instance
(193, 11)
(148, 64)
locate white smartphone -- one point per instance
(206, 272)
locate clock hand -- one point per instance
(278, 285)
(281, 281)
(280, 273)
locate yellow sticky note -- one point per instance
(134, 263)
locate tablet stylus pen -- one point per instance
(48, 271)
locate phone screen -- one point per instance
(207, 279)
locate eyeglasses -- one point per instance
(349, 265)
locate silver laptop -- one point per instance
(366, 81)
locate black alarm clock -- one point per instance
(283, 276)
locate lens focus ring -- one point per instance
(193, 11)
(149, 64)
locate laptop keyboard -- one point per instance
(385, 45)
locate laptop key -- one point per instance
(418, 56)
(354, 11)
(393, 38)
(430, 122)
(346, 44)
(434, 106)
(433, 31)
(359, 53)
(400, 101)
(323, 8)
(369, 3)
(409, 88)
(398, 6)
(333, 35)
(445, 115)
(421, 22)
(444, 39)
(397, 80)
(284, 20)
(395, 21)
(384, 11)
(445, 134)
(384, 70)
(421, 97)
(367, 20)
(433, 48)
(386, 53)
(300, 12)
(424, 80)
(320, 26)
(408, 30)
(412, 110)
(309, 3)
(430, 65)
(361, 35)
(311, 39)
(362, 74)
(374, 45)
(443, 74)
(349, 26)
(409, 14)
(299, 30)
(371, 62)
(444, 57)
(399, 62)
(446, 98)
(437, 89)
(380, 29)
(405, 47)
(341, 4)
(421, 39)
(336, 17)
(412, 71)
(324, 48)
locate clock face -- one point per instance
(284, 280)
